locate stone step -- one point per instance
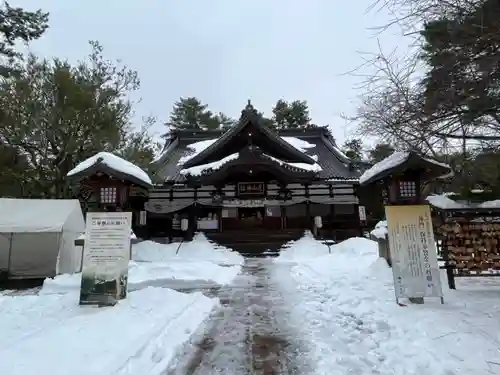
(248, 248)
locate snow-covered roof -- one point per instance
(443, 202)
(113, 162)
(199, 169)
(306, 167)
(198, 147)
(298, 143)
(178, 154)
(393, 161)
(352, 180)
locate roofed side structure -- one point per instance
(401, 161)
(111, 165)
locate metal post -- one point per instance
(449, 269)
(10, 253)
(178, 247)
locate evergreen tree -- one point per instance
(462, 85)
(54, 115)
(353, 149)
(294, 115)
(225, 122)
(18, 25)
(380, 152)
(189, 113)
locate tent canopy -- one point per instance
(40, 215)
(37, 237)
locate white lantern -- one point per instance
(184, 225)
(318, 222)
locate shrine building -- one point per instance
(248, 179)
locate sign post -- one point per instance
(413, 252)
(106, 256)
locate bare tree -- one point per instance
(395, 102)
(391, 102)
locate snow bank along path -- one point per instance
(53, 335)
(344, 308)
(140, 335)
(199, 263)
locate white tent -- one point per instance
(37, 237)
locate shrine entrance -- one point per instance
(251, 217)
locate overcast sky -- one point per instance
(225, 51)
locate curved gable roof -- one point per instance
(249, 116)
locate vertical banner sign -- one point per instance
(362, 213)
(106, 254)
(413, 252)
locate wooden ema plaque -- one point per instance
(473, 248)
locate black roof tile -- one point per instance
(334, 164)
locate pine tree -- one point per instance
(188, 113)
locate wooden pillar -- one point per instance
(332, 212)
(356, 213)
(192, 222)
(219, 218)
(308, 208)
(195, 210)
(283, 217)
(331, 224)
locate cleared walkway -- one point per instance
(250, 333)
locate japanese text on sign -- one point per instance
(413, 251)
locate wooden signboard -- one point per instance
(251, 188)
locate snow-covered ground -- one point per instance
(308, 310)
(345, 308)
(47, 332)
(51, 334)
(197, 264)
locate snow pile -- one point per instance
(140, 335)
(114, 162)
(442, 201)
(380, 230)
(173, 274)
(304, 248)
(345, 309)
(308, 249)
(200, 249)
(198, 263)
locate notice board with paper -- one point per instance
(413, 251)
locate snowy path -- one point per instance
(250, 333)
